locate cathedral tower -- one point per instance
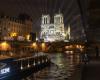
(59, 24)
(58, 19)
(45, 19)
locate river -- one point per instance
(61, 68)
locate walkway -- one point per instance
(91, 71)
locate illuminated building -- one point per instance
(12, 27)
(52, 31)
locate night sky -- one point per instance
(35, 8)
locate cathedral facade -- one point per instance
(52, 31)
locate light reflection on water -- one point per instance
(61, 69)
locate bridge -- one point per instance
(20, 47)
(40, 46)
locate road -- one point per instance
(91, 71)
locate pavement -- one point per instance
(91, 71)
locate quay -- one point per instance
(11, 67)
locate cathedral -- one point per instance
(51, 32)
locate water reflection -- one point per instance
(61, 68)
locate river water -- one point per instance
(61, 68)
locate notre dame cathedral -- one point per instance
(52, 31)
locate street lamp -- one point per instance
(28, 37)
(5, 46)
(34, 45)
(43, 46)
(14, 34)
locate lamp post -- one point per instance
(34, 46)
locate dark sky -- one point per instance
(35, 8)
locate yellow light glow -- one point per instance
(43, 46)
(66, 47)
(13, 34)
(28, 37)
(4, 46)
(34, 45)
(77, 46)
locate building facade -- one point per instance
(10, 27)
(52, 31)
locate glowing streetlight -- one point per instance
(13, 34)
(43, 46)
(34, 45)
(5, 46)
(28, 37)
(66, 47)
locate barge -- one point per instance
(11, 67)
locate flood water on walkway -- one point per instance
(61, 68)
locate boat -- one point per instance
(11, 67)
